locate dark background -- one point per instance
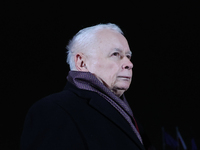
(164, 38)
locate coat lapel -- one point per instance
(103, 107)
(112, 114)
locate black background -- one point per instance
(165, 41)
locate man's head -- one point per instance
(103, 51)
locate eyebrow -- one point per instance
(121, 51)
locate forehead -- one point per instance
(108, 40)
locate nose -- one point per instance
(127, 64)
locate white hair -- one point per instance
(82, 40)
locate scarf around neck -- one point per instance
(87, 81)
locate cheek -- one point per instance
(92, 65)
(105, 70)
(111, 71)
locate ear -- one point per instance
(80, 62)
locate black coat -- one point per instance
(76, 119)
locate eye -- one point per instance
(129, 57)
(116, 54)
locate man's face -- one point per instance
(109, 61)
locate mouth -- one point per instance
(126, 78)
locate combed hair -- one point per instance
(83, 38)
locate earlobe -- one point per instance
(80, 62)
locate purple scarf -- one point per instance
(87, 81)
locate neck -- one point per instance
(116, 91)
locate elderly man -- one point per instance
(91, 113)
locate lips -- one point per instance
(125, 77)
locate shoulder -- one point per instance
(71, 97)
(49, 120)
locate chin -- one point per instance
(120, 89)
(123, 86)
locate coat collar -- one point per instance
(103, 107)
(108, 111)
